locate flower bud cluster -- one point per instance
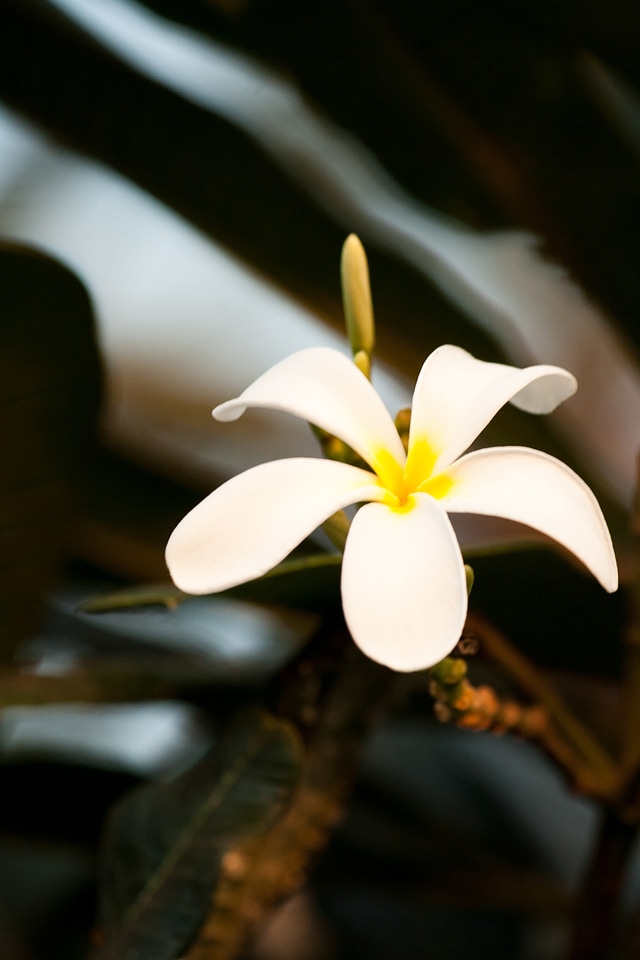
(472, 707)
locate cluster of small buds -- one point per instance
(478, 708)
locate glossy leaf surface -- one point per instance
(165, 843)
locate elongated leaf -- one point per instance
(207, 170)
(387, 70)
(165, 843)
(48, 402)
(308, 583)
(132, 598)
(299, 254)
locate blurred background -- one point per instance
(176, 182)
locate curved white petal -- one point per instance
(404, 589)
(322, 386)
(533, 488)
(249, 524)
(456, 396)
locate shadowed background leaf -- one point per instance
(308, 582)
(453, 137)
(165, 843)
(48, 406)
(219, 177)
(479, 112)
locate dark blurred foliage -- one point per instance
(483, 112)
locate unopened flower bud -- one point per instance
(486, 700)
(356, 297)
(442, 712)
(473, 720)
(462, 696)
(449, 671)
(510, 714)
(362, 360)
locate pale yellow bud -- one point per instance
(362, 361)
(356, 297)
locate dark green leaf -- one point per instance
(307, 583)
(165, 843)
(131, 598)
(48, 403)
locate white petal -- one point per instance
(456, 396)
(533, 488)
(403, 584)
(322, 386)
(249, 524)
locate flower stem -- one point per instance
(261, 873)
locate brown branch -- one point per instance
(261, 873)
(566, 738)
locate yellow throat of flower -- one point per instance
(416, 476)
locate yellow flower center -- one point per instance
(416, 477)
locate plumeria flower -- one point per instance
(404, 589)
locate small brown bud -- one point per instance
(486, 701)
(442, 712)
(462, 696)
(533, 721)
(467, 645)
(235, 864)
(472, 720)
(509, 714)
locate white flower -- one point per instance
(403, 582)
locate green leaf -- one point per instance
(165, 843)
(131, 598)
(307, 583)
(49, 394)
